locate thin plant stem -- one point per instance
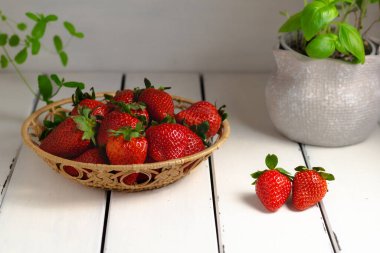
(19, 72)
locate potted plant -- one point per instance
(326, 90)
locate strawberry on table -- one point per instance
(126, 96)
(170, 141)
(158, 102)
(72, 137)
(200, 112)
(273, 185)
(309, 186)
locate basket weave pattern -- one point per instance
(111, 177)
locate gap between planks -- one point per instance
(108, 193)
(213, 182)
(332, 236)
(4, 185)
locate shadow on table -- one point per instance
(253, 201)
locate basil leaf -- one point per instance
(322, 46)
(3, 39)
(352, 41)
(22, 26)
(64, 58)
(45, 87)
(39, 30)
(21, 56)
(14, 40)
(58, 43)
(74, 85)
(292, 24)
(315, 16)
(3, 61)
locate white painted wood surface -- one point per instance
(176, 218)
(44, 212)
(353, 200)
(245, 224)
(16, 104)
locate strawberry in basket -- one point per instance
(88, 100)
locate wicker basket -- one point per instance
(111, 177)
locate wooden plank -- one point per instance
(45, 212)
(16, 104)
(353, 201)
(176, 218)
(244, 222)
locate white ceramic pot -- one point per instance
(324, 102)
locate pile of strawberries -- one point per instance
(274, 185)
(133, 127)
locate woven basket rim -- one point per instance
(225, 131)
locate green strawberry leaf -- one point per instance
(256, 175)
(147, 83)
(300, 168)
(327, 176)
(222, 112)
(271, 161)
(283, 171)
(318, 169)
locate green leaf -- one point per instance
(292, 24)
(56, 79)
(45, 87)
(300, 168)
(74, 85)
(14, 40)
(340, 48)
(58, 43)
(283, 171)
(318, 169)
(21, 56)
(22, 26)
(79, 35)
(322, 46)
(271, 161)
(36, 46)
(351, 40)
(257, 174)
(51, 18)
(327, 176)
(3, 39)
(39, 29)
(32, 16)
(316, 16)
(3, 18)
(3, 61)
(64, 58)
(70, 28)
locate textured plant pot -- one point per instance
(324, 102)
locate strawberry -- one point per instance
(273, 186)
(127, 146)
(93, 155)
(88, 100)
(200, 112)
(158, 102)
(170, 141)
(137, 110)
(309, 186)
(113, 121)
(126, 96)
(72, 137)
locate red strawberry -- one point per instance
(88, 100)
(137, 110)
(200, 112)
(93, 155)
(72, 137)
(170, 141)
(127, 146)
(158, 102)
(309, 186)
(273, 186)
(113, 121)
(126, 96)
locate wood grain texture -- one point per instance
(245, 223)
(45, 212)
(353, 200)
(176, 218)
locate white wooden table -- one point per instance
(214, 209)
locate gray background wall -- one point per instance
(165, 35)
